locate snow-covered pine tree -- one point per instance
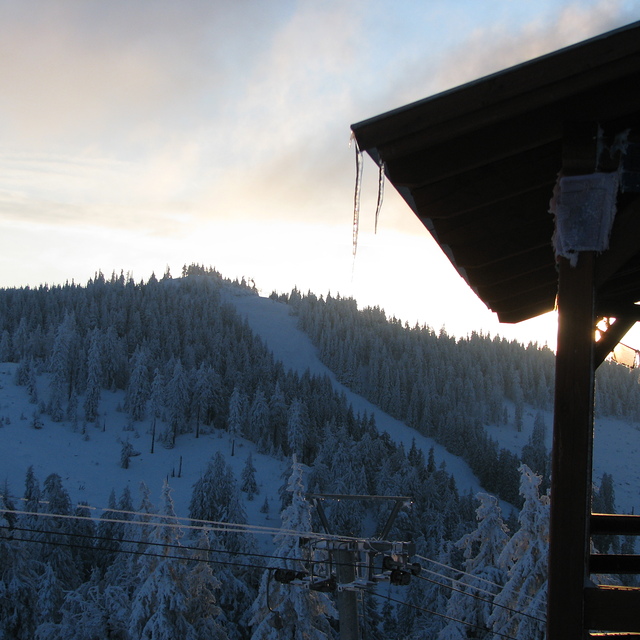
(286, 612)
(238, 582)
(212, 492)
(94, 611)
(297, 428)
(177, 401)
(160, 605)
(248, 482)
(535, 454)
(60, 365)
(56, 549)
(207, 399)
(469, 606)
(94, 378)
(278, 422)
(236, 420)
(137, 394)
(257, 429)
(18, 576)
(203, 612)
(604, 501)
(524, 559)
(157, 394)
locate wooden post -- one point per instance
(572, 450)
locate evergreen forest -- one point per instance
(188, 367)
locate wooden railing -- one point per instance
(613, 610)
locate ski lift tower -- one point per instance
(482, 166)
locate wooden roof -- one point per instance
(478, 165)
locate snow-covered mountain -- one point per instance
(88, 460)
(186, 384)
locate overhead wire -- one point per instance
(491, 602)
(203, 551)
(168, 545)
(460, 582)
(440, 615)
(156, 520)
(211, 525)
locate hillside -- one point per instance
(181, 383)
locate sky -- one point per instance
(140, 135)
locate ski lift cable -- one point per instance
(491, 602)
(156, 519)
(471, 586)
(440, 615)
(256, 528)
(196, 549)
(460, 582)
(200, 550)
(465, 584)
(446, 566)
(144, 553)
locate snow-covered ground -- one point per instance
(89, 465)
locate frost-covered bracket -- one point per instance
(584, 207)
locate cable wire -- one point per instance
(460, 582)
(491, 602)
(440, 615)
(210, 525)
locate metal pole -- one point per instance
(347, 600)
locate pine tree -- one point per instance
(160, 605)
(60, 366)
(535, 454)
(248, 479)
(135, 402)
(56, 549)
(94, 611)
(18, 576)
(297, 428)
(212, 492)
(604, 501)
(299, 613)
(94, 378)
(524, 558)
(236, 416)
(157, 394)
(177, 404)
(203, 612)
(470, 607)
(258, 419)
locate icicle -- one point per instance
(380, 191)
(356, 195)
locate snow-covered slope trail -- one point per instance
(274, 323)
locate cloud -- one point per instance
(162, 115)
(503, 42)
(97, 72)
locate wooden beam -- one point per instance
(572, 450)
(614, 564)
(610, 338)
(615, 524)
(612, 609)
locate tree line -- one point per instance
(451, 389)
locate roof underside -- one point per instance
(478, 165)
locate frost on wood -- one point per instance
(584, 208)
